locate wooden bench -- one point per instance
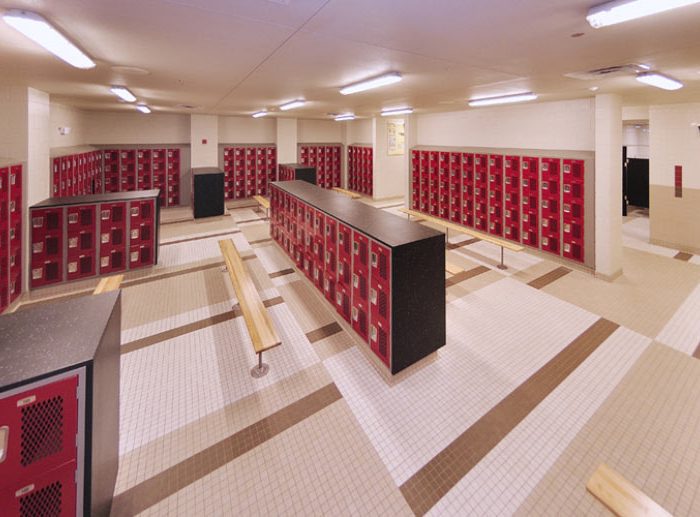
(620, 496)
(264, 203)
(262, 333)
(504, 244)
(109, 283)
(350, 194)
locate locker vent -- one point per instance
(117, 237)
(117, 214)
(45, 502)
(381, 303)
(85, 241)
(52, 245)
(346, 307)
(382, 343)
(85, 265)
(52, 271)
(382, 266)
(146, 210)
(363, 253)
(51, 221)
(146, 233)
(363, 288)
(362, 321)
(86, 218)
(42, 430)
(117, 259)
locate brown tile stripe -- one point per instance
(153, 339)
(451, 246)
(696, 354)
(548, 278)
(189, 220)
(427, 486)
(682, 255)
(258, 220)
(154, 278)
(249, 257)
(260, 241)
(281, 273)
(465, 275)
(153, 490)
(324, 332)
(200, 237)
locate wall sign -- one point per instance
(396, 133)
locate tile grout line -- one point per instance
(157, 488)
(436, 478)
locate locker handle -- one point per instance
(4, 438)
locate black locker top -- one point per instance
(53, 337)
(111, 197)
(386, 228)
(196, 171)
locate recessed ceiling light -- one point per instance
(345, 116)
(129, 70)
(42, 32)
(594, 88)
(620, 11)
(292, 105)
(659, 81)
(396, 111)
(259, 114)
(123, 93)
(187, 106)
(143, 108)
(503, 99)
(376, 82)
(577, 34)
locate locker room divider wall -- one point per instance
(248, 170)
(538, 201)
(360, 169)
(10, 234)
(69, 235)
(326, 159)
(389, 289)
(119, 170)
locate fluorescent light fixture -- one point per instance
(143, 108)
(659, 81)
(292, 105)
(382, 80)
(259, 114)
(396, 111)
(42, 32)
(345, 116)
(620, 11)
(503, 99)
(123, 93)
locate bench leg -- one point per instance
(502, 265)
(261, 369)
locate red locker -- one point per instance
(415, 180)
(143, 157)
(360, 280)
(4, 238)
(113, 239)
(481, 192)
(142, 230)
(573, 209)
(111, 171)
(50, 493)
(56, 177)
(344, 278)
(495, 190)
(444, 185)
(331, 258)
(159, 173)
(81, 233)
(47, 246)
(380, 301)
(530, 201)
(511, 213)
(127, 169)
(550, 204)
(173, 193)
(319, 245)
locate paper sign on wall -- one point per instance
(396, 133)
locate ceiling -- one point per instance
(235, 57)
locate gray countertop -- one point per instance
(111, 197)
(52, 337)
(389, 229)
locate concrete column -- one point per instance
(287, 140)
(204, 139)
(608, 186)
(390, 172)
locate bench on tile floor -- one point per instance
(109, 283)
(350, 194)
(620, 496)
(262, 333)
(504, 244)
(264, 203)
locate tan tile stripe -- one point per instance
(427, 486)
(281, 273)
(548, 278)
(200, 237)
(260, 241)
(177, 477)
(465, 275)
(153, 339)
(451, 246)
(324, 332)
(258, 220)
(682, 255)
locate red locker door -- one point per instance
(380, 302)
(41, 424)
(4, 238)
(53, 492)
(81, 233)
(551, 205)
(56, 177)
(480, 192)
(511, 214)
(344, 283)
(113, 238)
(360, 281)
(331, 258)
(495, 190)
(47, 246)
(444, 185)
(455, 187)
(319, 246)
(530, 202)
